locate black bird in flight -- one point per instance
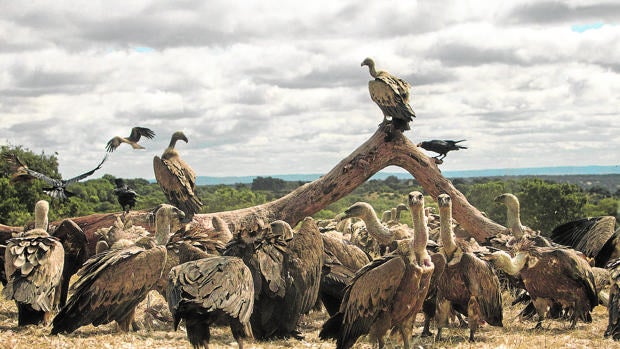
(441, 147)
(21, 173)
(126, 196)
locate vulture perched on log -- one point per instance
(112, 283)
(125, 195)
(388, 292)
(132, 140)
(21, 173)
(286, 276)
(613, 306)
(468, 284)
(177, 179)
(594, 236)
(217, 290)
(441, 147)
(34, 262)
(392, 96)
(551, 275)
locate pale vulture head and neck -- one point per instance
(371, 67)
(416, 206)
(41, 210)
(179, 135)
(513, 216)
(167, 218)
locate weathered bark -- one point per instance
(369, 158)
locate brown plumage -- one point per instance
(33, 264)
(217, 290)
(613, 306)
(177, 179)
(392, 96)
(552, 275)
(594, 236)
(132, 140)
(388, 292)
(468, 284)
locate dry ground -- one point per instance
(515, 334)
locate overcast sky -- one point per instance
(276, 87)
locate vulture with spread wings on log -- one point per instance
(217, 290)
(551, 275)
(132, 140)
(21, 173)
(112, 283)
(392, 96)
(468, 284)
(388, 292)
(177, 179)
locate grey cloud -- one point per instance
(457, 54)
(29, 83)
(554, 11)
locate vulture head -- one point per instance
(41, 209)
(508, 200)
(443, 200)
(179, 135)
(359, 209)
(371, 66)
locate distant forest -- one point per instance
(546, 201)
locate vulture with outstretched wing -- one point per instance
(392, 96)
(216, 290)
(177, 179)
(58, 190)
(34, 261)
(132, 140)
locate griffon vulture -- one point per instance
(132, 140)
(177, 179)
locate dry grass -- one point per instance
(515, 334)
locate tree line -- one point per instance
(544, 203)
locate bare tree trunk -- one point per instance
(369, 158)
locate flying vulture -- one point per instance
(125, 195)
(388, 292)
(216, 290)
(177, 179)
(132, 140)
(441, 147)
(22, 173)
(392, 96)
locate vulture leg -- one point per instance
(473, 316)
(426, 332)
(382, 324)
(541, 305)
(127, 320)
(443, 313)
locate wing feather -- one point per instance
(84, 175)
(177, 180)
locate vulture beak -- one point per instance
(499, 199)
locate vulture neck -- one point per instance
(420, 232)
(511, 266)
(513, 217)
(163, 224)
(445, 231)
(372, 70)
(375, 228)
(40, 215)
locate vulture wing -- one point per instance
(177, 180)
(137, 132)
(76, 250)
(587, 235)
(392, 97)
(345, 252)
(487, 282)
(33, 266)
(111, 285)
(84, 175)
(209, 284)
(113, 144)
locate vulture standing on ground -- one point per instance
(132, 140)
(441, 147)
(112, 283)
(34, 261)
(125, 195)
(468, 284)
(22, 173)
(551, 275)
(392, 96)
(210, 291)
(177, 179)
(388, 292)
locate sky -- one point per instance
(276, 87)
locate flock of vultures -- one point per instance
(372, 275)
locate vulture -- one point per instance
(468, 284)
(594, 236)
(113, 282)
(391, 94)
(132, 140)
(22, 173)
(286, 276)
(34, 262)
(513, 222)
(613, 306)
(569, 282)
(441, 147)
(216, 290)
(177, 179)
(125, 195)
(388, 292)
